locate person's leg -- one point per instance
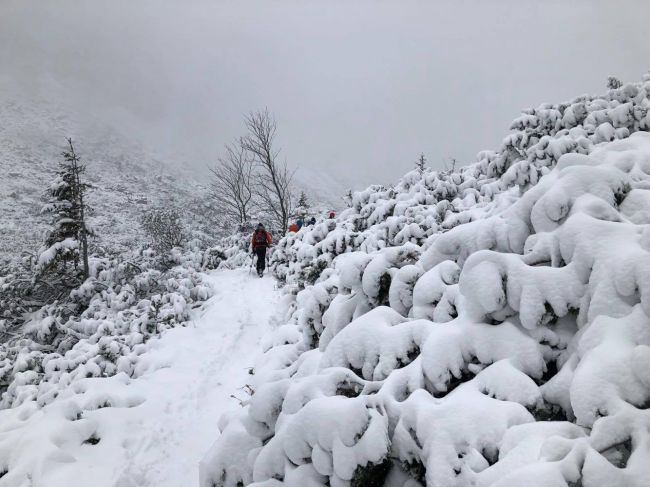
(261, 259)
(260, 252)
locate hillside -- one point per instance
(125, 179)
(487, 326)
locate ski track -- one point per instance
(207, 362)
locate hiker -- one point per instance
(312, 222)
(260, 241)
(293, 228)
(332, 214)
(299, 222)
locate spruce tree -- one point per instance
(421, 163)
(67, 240)
(303, 204)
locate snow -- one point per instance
(505, 345)
(154, 429)
(486, 326)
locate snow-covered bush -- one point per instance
(425, 202)
(101, 328)
(164, 228)
(486, 327)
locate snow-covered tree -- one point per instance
(66, 243)
(613, 83)
(302, 205)
(421, 163)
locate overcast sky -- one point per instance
(357, 87)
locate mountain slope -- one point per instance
(486, 327)
(126, 179)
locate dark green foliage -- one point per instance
(348, 388)
(548, 412)
(371, 475)
(384, 288)
(67, 241)
(93, 440)
(416, 469)
(619, 454)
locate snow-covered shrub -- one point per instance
(164, 228)
(425, 202)
(229, 252)
(101, 328)
(486, 327)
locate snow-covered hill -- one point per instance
(125, 179)
(483, 327)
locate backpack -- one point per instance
(260, 238)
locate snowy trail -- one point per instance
(208, 362)
(152, 430)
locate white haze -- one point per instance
(359, 89)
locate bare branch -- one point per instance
(274, 179)
(232, 183)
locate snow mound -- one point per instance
(486, 327)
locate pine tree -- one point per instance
(67, 240)
(303, 204)
(421, 163)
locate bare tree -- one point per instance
(232, 183)
(273, 180)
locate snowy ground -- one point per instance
(174, 409)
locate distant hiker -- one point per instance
(293, 228)
(312, 222)
(332, 214)
(260, 241)
(299, 222)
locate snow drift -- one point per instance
(485, 327)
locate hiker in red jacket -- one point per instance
(259, 242)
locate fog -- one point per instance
(359, 89)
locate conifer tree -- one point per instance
(421, 163)
(303, 205)
(67, 240)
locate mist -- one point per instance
(358, 89)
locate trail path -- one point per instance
(208, 362)
(150, 431)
